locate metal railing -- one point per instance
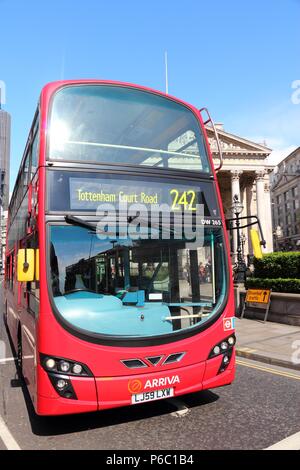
(207, 121)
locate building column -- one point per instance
(268, 217)
(244, 232)
(235, 190)
(250, 188)
(260, 199)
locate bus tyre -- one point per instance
(20, 354)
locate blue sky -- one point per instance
(237, 58)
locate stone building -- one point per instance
(245, 173)
(285, 187)
(5, 123)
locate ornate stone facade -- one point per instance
(245, 172)
(285, 186)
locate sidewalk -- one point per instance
(268, 342)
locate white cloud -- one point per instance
(277, 127)
(280, 154)
(280, 149)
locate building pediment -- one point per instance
(284, 181)
(235, 145)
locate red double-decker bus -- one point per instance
(107, 306)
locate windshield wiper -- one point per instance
(77, 221)
(71, 219)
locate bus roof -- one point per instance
(52, 87)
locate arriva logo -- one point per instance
(162, 382)
(135, 386)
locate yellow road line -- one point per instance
(247, 349)
(267, 369)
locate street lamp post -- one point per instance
(241, 268)
(243, 241)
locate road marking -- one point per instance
(7, 438)
(7, 359)
(11, 359)
(13, 313)
(246, 349)
(290, 443)
(267, 369)
(182, 409)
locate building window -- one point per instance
(295, 192)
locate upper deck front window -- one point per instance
(122, 125)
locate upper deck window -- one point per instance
(114, 124)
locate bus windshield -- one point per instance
(122, 125)
(134, 288)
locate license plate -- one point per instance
(151, 396)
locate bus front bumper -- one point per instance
(100, 393)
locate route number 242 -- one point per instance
(183, 198)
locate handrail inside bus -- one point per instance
(189, 304)
(180, 317)
(127, 147)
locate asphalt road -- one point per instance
(258, 410)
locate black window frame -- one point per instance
(129, 166)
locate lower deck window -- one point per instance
(135, 288)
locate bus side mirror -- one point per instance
(37, 264)
(256, 244)
(25, 265)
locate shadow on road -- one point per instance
(58, 425)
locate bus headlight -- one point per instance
(50, 364)
(63, 386)
(225, 362)
(77, 369)
(225, 359)
(66, 366)
(223, 347)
